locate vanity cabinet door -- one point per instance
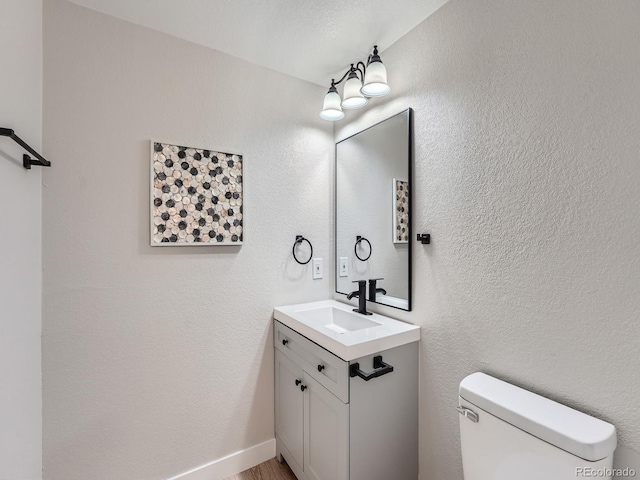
(289, 405)
(326, 433)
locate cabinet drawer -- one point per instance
(327, 369)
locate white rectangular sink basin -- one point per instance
(338, 320)
(349, 335)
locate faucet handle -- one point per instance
(373, 288)
(359, 282)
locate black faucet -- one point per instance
(373, 289)
(361, 293)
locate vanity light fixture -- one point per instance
(363, 82)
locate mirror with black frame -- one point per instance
(373, 211)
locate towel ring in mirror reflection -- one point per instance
(360, 239)
(299, 240)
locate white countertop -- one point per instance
(385, 334)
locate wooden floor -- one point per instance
(271, 470)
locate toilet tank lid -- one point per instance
(568, 429)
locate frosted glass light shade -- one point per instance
(353, 98)
(375, 80)
(331, 109)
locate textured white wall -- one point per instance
(160, 360)
(20, 243)
(527, 133)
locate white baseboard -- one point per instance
(232, 464)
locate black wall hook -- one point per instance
(299, 240)
(424, 238)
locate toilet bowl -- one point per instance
(508, 433)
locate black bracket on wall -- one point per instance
(424, 238)
(27, 161)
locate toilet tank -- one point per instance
(509, 433)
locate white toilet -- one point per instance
(508, 433)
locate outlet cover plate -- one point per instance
(344, 267)
(317, 268)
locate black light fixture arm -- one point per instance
(359, 67)
(362, 68)
(27, 161)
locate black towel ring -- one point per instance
(300, 239)
(355, 248)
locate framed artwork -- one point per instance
(400, 226)
(196, 196)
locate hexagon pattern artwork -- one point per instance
(196, 196)
(401, 211)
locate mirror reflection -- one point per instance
(373, 211)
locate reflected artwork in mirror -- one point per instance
(373, 211)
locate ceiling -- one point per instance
(313, 40)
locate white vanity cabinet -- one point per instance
(334, 426)
(311, 423)
(290, 406)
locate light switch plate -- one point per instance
(317, 268)
(344, 269)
